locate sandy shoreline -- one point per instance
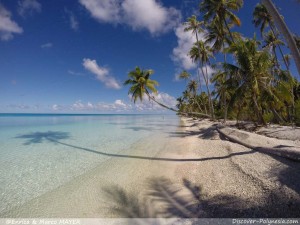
(234, 181)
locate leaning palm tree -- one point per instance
(282, 27)
(142, 85)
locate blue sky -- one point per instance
(67, 56)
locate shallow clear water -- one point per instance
(41, 153)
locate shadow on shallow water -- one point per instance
(141, 128)
(39, 137)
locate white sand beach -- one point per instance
(220, 178)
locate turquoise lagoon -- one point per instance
(41, 152)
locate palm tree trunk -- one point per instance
(226, 24)
(225, 109)
(225, 103)
(284, 60)
(276, 58)
(282, 55)
(174, 110)
(199, 78)
(293, 107)
(209, 99)
(258, 111)
(208, 92)
(209, 95)
(223, 50)
(197, 103)
(275, 113)
(200, 87)
(282, 27)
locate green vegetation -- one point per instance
(256, 84)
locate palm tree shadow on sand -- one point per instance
(164, 199)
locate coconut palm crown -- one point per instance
(141, 83)
(221, 11)
(262, 18)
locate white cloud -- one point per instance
(147, 14)
(75, 73)
(185, 41)
(180, 54)
(103, 11)
(119, 105)
(90, 105)
(151, 15)
(28, 7)
(72, 20)
(21, 108)
(102, 73)
(47, 45)
(7, 26)
(55, 107)
(78, 105)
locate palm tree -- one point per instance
(192, 87)
(180, 103)
(262, 18)
(186, 96)
(195, 26)
(272, 42)
(201, 52)
(282, 27)
(252, 74)
(217, 37)
(184, 75)
(221, 89)
(285, 88)
(222, 12)
(142, 85)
